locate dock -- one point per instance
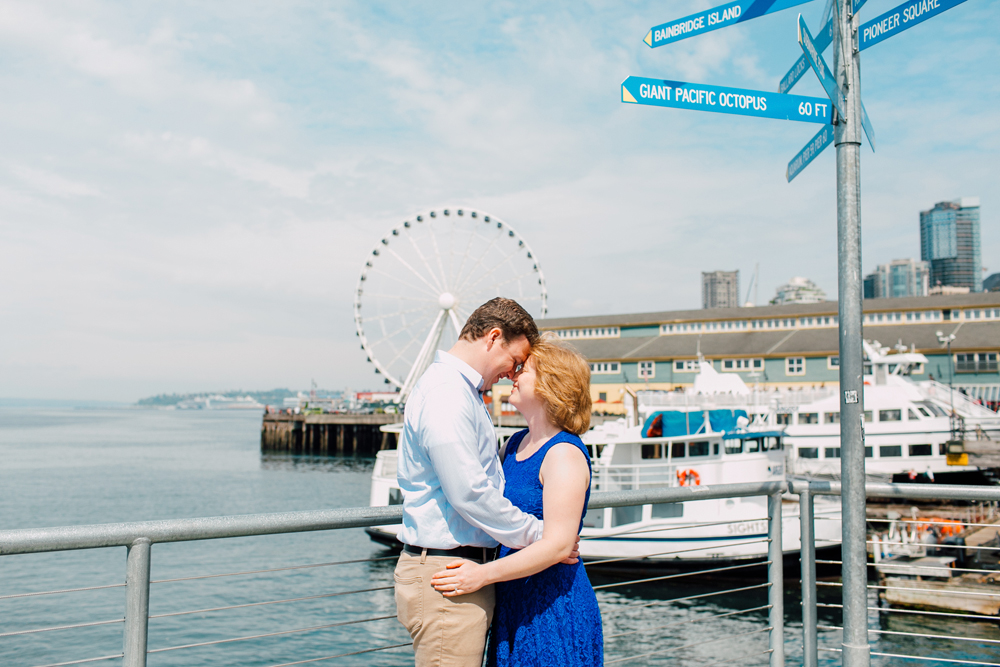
(327, 434)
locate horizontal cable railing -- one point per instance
(138, 538)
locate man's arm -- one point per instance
(447, 432)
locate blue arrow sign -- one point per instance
(815, 146)
(858, 4)
(823, 39)
(819, 66)
(713, 19)
(697, 96)
(901, 18)
(867, 126)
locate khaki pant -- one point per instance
(446, 632)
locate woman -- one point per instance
(546, 611)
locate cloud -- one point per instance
(52, 184)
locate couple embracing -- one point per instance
(460, 499)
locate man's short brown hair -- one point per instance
(506, 315)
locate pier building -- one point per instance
(792, 346)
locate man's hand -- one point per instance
(574, 556)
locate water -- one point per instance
(65, 466)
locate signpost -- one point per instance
(815, 146)
(815, 60)
(713, 19)
(701, 97)
(842, 83)
(823, 39)
(901, 18)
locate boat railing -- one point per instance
(757, 398)
(637, 628)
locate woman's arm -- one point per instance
(565, 478)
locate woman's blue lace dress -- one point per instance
(550, 618)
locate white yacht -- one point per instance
(907, 423)
(694, 449)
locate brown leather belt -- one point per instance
(481, 554)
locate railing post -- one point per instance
(775, 577)
(136, 603)
(807, 534)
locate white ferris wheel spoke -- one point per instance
(437, 253)
(401, 352)
(455, 323)
(503, 262)
(423, 357)
(493, 242)
(400, 313)
(396, 332)
(431, 294)
(427, 264)
(414, 271)
(465, 258)
(403, 298)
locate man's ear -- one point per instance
(495, 335)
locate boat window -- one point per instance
(942, 448)
(808, 452)
(652, 451)
(831, 453)
(734, 446)
(715, 449)
(831, 418)
(935, 410)
(623, 515)
(924, 411)
(869, 453)
(890, 450)
(808, 418)
(868, 415)
(911, 415)
(921, 450)
(667, 510)
(775, 443)
(784, 419)
(754, 445)
(395, 496)
(594, 518)
(890, 415)
(698, 448)
(677, 450)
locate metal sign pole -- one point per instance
(846, 66)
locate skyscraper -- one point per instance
(900, 277)
(720, 289)
(949, 241)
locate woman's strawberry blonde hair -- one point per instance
(563, 382)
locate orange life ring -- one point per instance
(689, 476)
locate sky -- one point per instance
(188, 191)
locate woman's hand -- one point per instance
(461, 577)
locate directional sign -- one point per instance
(867, 126)
(715, 18)
(901, 18)
(819, 66)
(858, 4)
(822, 40)
(815, 146)
(681, 95)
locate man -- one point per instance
(452, 483)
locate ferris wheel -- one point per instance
(425, 277)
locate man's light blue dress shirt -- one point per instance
(449, 470)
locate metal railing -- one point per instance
(807, 489)
(140, 537)
(632, 643)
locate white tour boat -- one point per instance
(907, 423)
(711, 450)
